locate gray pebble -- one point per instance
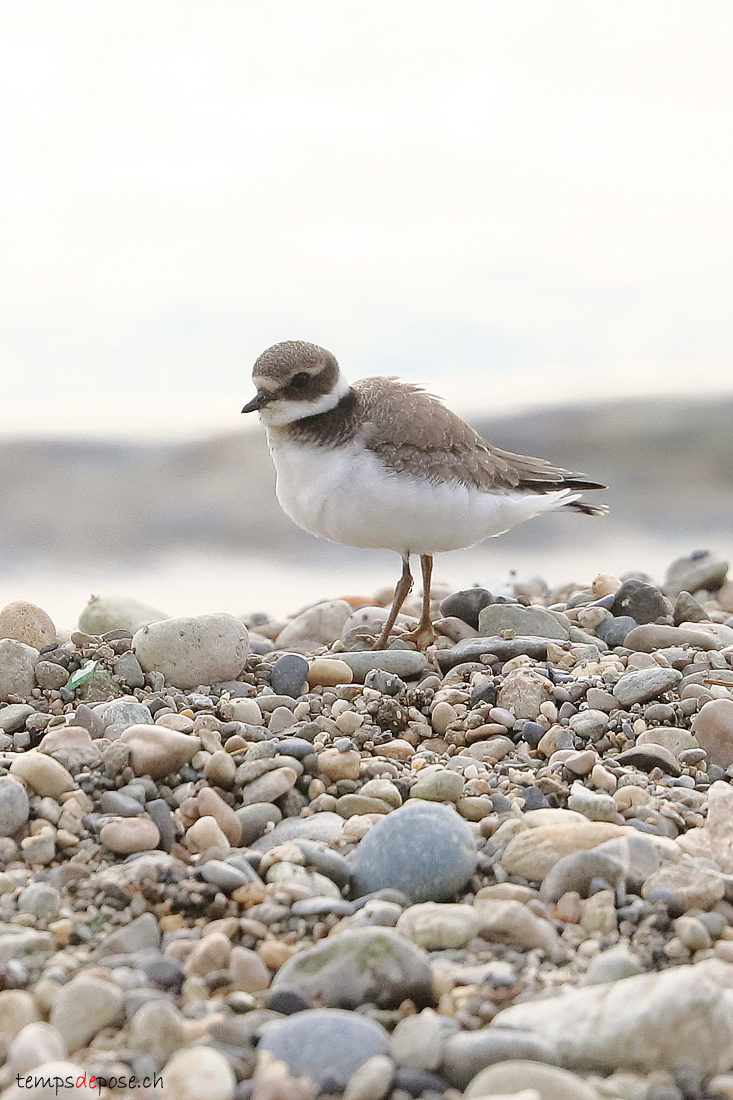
(12, 718)
(466, 1053)
(405, 663)
(289, 674)
(642, 602)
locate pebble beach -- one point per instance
(244, 858)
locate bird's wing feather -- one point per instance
(412, 432)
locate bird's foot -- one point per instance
(422, 637)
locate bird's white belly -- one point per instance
(346, 495)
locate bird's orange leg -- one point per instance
(424, 635)
(401, 593)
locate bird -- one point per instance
(382, 464)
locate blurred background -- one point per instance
(524, 206)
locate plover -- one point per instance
(384, 465)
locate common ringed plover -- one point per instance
(383, 465)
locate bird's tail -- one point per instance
(586, 508)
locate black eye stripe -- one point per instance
(300, 381)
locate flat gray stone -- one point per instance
(645, 684)
(139, 935)
(535, 621)
(12, 717)
(504, 648)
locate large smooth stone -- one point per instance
(44, 774)
(679, 1018)
(17, 669)
(405, 663)
(535, 622)
(355, 967)
(510, 1078)
(14, 806)
(325, 1041)
(532, 853)
(320, 625)
(713, 728)
(104, 613)
(325, 826)
(194, 649)
(426, 851)
(198, 1073)
(83, 1007)
(714, 840)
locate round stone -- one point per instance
(14, 807)
(425, 850)
(204, 834)
(44, 774)
(17, 1010)
(83, 1007)
(158, 1029)
(35, 1045)
(334, 764)
(40, 899)
(199, 1073)
(289, 674)
(126, 835)
(325, 1041)
(439, 927)
(27, 623)
(466, 605)
(254, 819)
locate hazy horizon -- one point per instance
(512, 204)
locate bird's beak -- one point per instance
(258, 402)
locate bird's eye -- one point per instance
(300, 381)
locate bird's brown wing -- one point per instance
(412, 432)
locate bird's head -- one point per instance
(295, 380)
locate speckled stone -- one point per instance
(14, 805)
(365, 965)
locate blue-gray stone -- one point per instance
(613, 631)
(325, 1041)
(425, 850)
(387, 683)
(289, 673)
(360, 966)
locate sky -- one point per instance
(511, 201)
